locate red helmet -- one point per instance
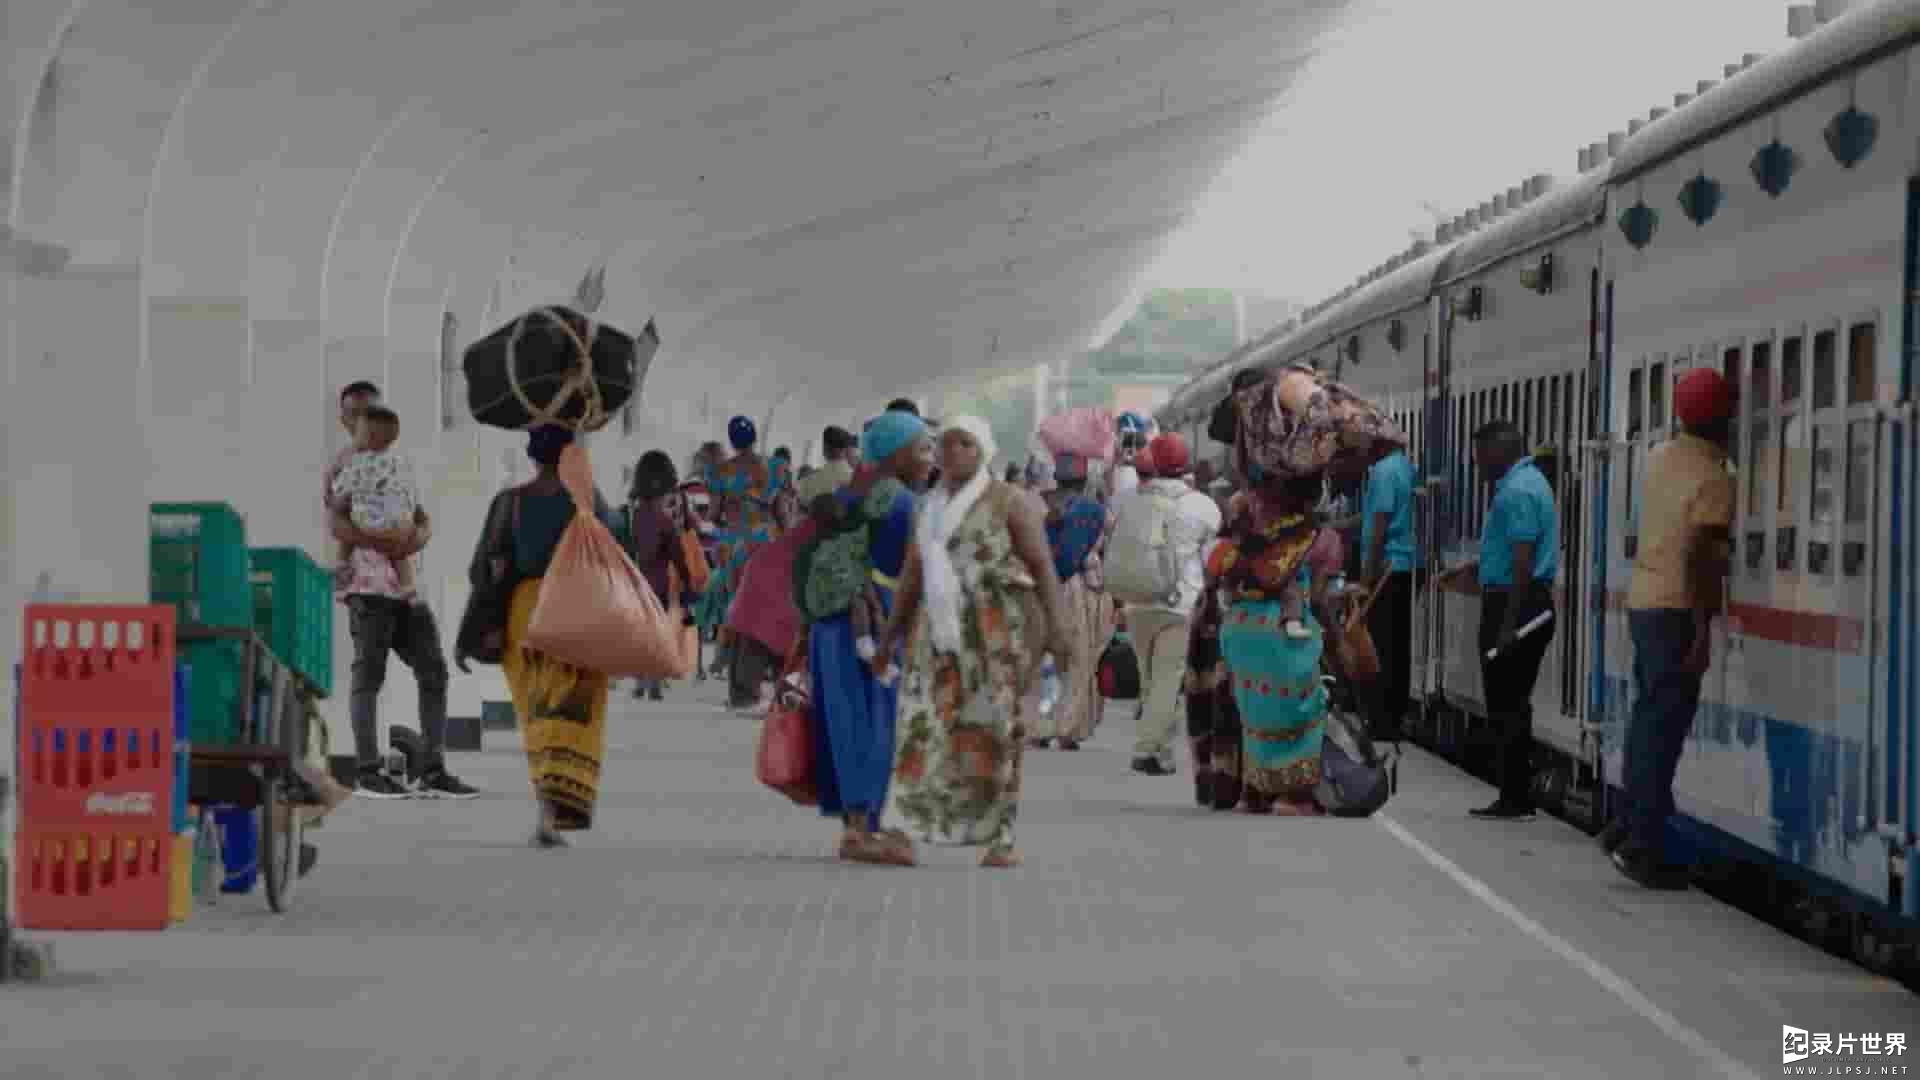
(1169, 453)
(1702, 396)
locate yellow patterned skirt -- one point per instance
(563, 713)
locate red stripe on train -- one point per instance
(1806, 629)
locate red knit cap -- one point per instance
(1702, 396)
(1169, 454)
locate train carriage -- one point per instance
(1781, 258)
(1519, 298)
(1769, 226)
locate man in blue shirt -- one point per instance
(1386, 541)
(1519, 557)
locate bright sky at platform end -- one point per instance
(1418, 101)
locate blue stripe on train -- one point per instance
(1806, 772)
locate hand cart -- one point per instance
(263, 769)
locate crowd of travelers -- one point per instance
(942, 612)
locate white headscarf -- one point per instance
(940, 518)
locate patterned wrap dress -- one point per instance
(956, 772)
(1274, 679)
(743, 489)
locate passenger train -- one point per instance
(1769, 225)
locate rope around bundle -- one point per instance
(580, 381)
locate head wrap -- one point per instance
(1702, 396)
(545, 442)
(1069, 467)
(887, 433)
(741, 433)
(979, 431)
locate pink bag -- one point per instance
(1086, 431)
(595, 609)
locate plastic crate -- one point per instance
(97, 766)
(213, 691)
(293, 612)
(198, 563)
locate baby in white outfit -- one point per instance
(375, 489)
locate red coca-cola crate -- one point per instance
(96, 741)
(96, 767)
(97, 659)
(106, 878)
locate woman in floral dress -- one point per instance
(980, 597)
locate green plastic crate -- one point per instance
(212, 690)
(293, 612)
(198, 563)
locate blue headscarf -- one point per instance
(887, 433)
(741, 433)
(545, 443)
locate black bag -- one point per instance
(555, 364)
(1356, 778)
(493, 576)
(1119, 671)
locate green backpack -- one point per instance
(830, 570)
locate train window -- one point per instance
(1657, 397)
(1861, 340)
(1790, 371)
(1823, 357)
(1761, 376)
(1553, 409)
(1636, 384)
(1730, 366)
(1531, 422)
(1758, 487)
(1825, 470)
(1859, 471)
(1792, 452)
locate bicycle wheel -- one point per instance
(280, 836)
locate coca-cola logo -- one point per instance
(129, 804)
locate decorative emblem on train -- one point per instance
(130, 804)
(1637, 224)
(1700, 199)
(1773, 167)
(1851, 134)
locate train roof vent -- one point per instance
(1704, 85)
(1730, 70)
(1825, 11)
(1516, 195)
(1616, 142)
(1443, 232)
(1634, 125)
(1680, 100)
(1747, 60)
(1800, 20)
(1655, 114)
(1584, 156)
(1542, 183)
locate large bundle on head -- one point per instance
(554, 365)
(1086, 432)
(1296, 423)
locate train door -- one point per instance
(1901, 746)
(1433, 520)
(1599, 480)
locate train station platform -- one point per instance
(704, 930)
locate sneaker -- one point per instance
(373, 784)
(309, 855)
(1500, 810)
(1613, 836)
(1649, 873)
(441, 784)
(1153, 766)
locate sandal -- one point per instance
(884, 849)
(1000, 860)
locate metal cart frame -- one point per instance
(262, 770)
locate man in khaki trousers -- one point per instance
(1154, 566)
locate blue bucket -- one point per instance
(238, 848)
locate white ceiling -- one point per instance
(841, 199)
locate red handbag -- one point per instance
(784, 758)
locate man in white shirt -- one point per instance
(1155, 567)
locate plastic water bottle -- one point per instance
(1049, 685)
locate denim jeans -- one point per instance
(1665, 700)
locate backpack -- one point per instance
(1139, 566)
(1356, 778)
(830, 570)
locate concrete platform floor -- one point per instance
(703, 930)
